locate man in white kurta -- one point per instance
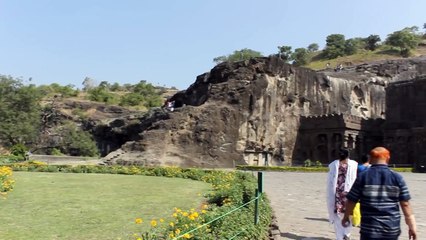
(341, 176)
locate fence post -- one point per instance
(259, 191)
(256, 208)
(260, 181)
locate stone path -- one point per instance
(298, 200)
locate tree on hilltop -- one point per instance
(285, 53)
(335, 46)
(350, 47)
(238, 55)
(313, 47)
(300, 56)
(405, 39)
(372, 42)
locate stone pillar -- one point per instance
(345, 140)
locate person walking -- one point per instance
(379, 191)
(341, 176)
(365, 163)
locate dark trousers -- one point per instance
(367, 238)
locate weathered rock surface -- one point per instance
(254, 106)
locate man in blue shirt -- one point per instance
(365, 163)
(379, 191)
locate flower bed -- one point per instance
(6, 181)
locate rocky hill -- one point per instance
(242, 108)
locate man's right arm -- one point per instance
(409, 219)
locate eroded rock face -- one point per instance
(238, 110)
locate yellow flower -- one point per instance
(172, 224)
(153, 223)
(171, 235)
(193, 216)
(185, 214)
(203, 211)
(161, 220)
(174, 215)
(139, 239)
(187, 235)
(177, 231)
(138, 220)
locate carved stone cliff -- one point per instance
(255, 106)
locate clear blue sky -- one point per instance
(171, 42)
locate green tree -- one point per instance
(313, 47)
(285, 53)
(372, 42)
(351, 46)
(300, 56)
(115, 87)
(405, 39)
(105, 85)
(335, 46)
(239, 55)
(77, 142)
(19, 111)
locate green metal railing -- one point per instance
(258, 195)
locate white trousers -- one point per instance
(340, 231)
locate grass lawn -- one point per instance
(91, 206)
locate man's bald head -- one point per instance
(379, 155)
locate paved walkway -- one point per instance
(298, 200)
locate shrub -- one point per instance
(10, 159)
(56, 152)
(307, 163)
(19, 151)
(101, 94)
(318, 164)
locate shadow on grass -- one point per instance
(298, 237)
